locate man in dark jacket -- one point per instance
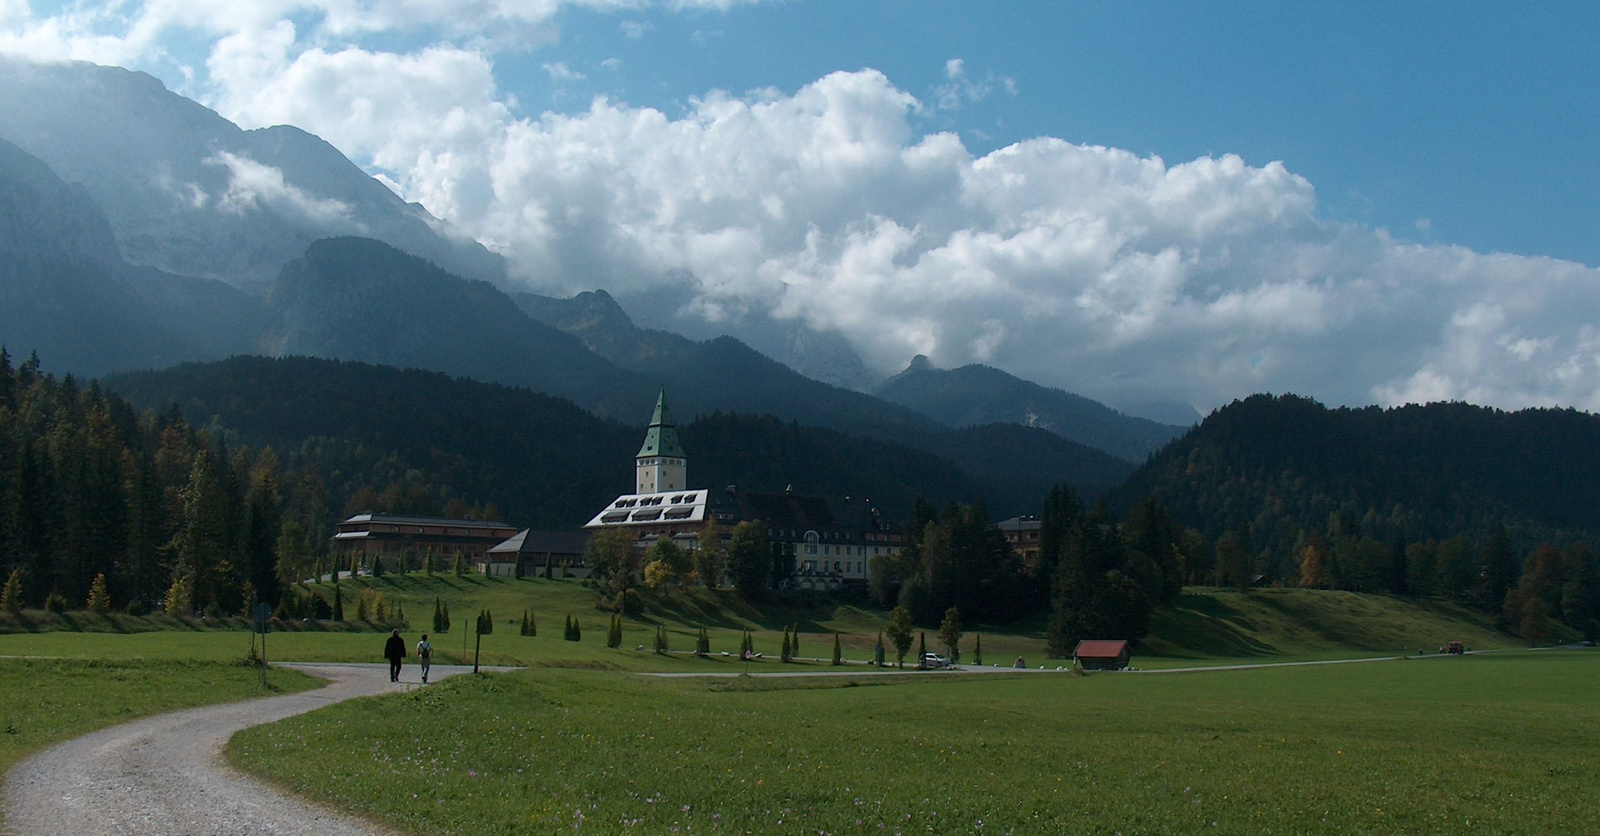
(394, 651)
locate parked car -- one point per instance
(934, 660)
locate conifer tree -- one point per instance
(11, 598)
(446, 627)
(338, 603)
(838, 651)
(794, 643)
(533, 623)
(577, 631)
(661, 639)
(922, 647)
(461, 566)
(438, 615)
(99, 596)
(377, 566)
(614, 632)
(702, 645)
(977, 649)
(783, 653)
(524, 630)
(746, 645)
(566, 628)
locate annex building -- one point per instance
(383, 534)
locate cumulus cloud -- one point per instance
(1121, 276)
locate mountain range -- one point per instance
(188, 239)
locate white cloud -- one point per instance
(560, 73)
(961, 89)
(1123, 277)
(252, 185)
(636, 29)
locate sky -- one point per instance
(1360, 202)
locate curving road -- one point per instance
(165, 774)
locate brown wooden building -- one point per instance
(381, 534)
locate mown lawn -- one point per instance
(1501, 743)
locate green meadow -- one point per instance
(1502, 743)
(580, 739)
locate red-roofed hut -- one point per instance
(1102, 654)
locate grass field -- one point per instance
(1505, 743)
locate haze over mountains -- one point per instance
(141, 230)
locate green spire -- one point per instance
(662, 438)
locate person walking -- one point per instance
(394, 651)
(425, 656)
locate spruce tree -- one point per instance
(838, 651)
(794, 643)
(377, 566)
(338, 603)
(438, 615)
(533, 623)
(524, 630)
(577, 631)
(783, 652)
(461, 566)
(446, 627)
(977, 649)
(703, 643)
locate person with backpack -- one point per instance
(425, 656)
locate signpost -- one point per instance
(263, 625)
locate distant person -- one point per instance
(394, 651)
(425, 656)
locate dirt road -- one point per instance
(165, 774)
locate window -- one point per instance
(811, 542)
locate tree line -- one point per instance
(167, 514)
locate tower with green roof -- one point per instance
(661, 465)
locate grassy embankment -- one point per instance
(1206, 625)
(1499, 744)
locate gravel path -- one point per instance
(165, 774)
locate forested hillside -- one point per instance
(1277, 466)
(1491, 508)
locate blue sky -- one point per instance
(1362, 202)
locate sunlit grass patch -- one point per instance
(1503, 744)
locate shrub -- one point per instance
(99, 596)
(55, 603)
